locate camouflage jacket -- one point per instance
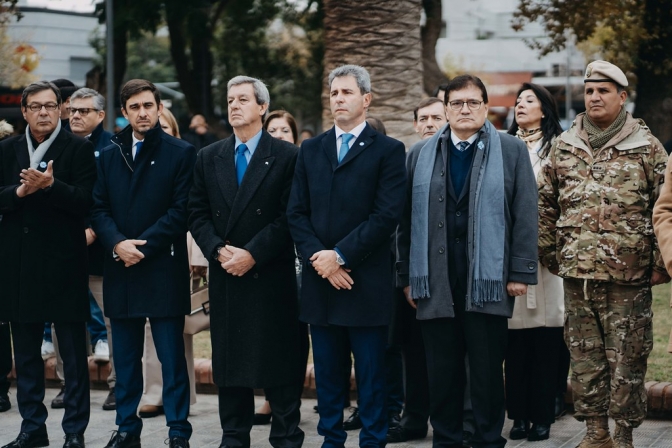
(595, 208)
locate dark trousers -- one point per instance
(5, 357)
(236, 416)
(30, 375)
(394, 379)
(483, 338)
(368, 347)
(129, 337)
(531, 370)
(416, 410)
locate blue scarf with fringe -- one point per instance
(489, 223)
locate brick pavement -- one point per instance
(566, 432)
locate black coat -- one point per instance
(145, 199)
(43, 256)
(355, 206)
(253, 319)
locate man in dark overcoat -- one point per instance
(347, 197)
(237, 216)
(46, 178)
(464, 252)
(140, 217)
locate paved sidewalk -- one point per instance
(565, 433)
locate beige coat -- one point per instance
(662, 224)
(544, 303)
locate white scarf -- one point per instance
(36, 155)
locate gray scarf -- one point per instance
(36, 155)
(489, 222)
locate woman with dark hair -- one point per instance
(281, 125)
(536, 345)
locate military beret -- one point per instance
(601, 71)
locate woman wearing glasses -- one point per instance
(536, 343)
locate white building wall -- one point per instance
(60, 31)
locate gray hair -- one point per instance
(84, 92)
(260, 91)
(356, 71)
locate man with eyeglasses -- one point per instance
(464, 253)
(46, 180)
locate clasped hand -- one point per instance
(325, 264)
(128, 252)
(33, 180)
(235, 261)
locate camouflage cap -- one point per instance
(601, 71)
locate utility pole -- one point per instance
(109, 70)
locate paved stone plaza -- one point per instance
(566, 432)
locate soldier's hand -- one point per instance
(241, 261)
(516, 289)
(341, 279)
(658, 278)
(128, 252)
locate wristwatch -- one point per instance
(339, 259)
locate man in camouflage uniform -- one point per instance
(596, 195)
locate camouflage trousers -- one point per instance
(609, 332)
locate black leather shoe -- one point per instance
(74, 441)
(393, 420)
(466, 438)
(401, 434)
(353, 422)
(262, 419)
(110, 403)
(57, 402)
(30, 440)
(178, 442)
(560, 408)
(519, 430)
(123, 440)
(5, 404)
(539, 432)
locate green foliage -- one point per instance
(149, 58)
(273, 41)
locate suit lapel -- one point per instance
(259, 166)
(21, 151)
(363, 141)
(329, 148)
(225, 169)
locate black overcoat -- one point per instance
(355, 206)
(43, 255)
(253, 318)
(145, 199)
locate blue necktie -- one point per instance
(462, 146)
(241, 162)
(137, 149)
(345, 139)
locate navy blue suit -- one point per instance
(146, 199)
(355, 206)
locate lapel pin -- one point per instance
(43, 164)
(96, 153)
(480, 145)
(361, 143)
(265, 163)
(152, 163)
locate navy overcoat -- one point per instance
(145, 199)
(355, 206)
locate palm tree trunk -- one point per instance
(384, 37)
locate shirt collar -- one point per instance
(135, 140)
(251, 143)
(455, 139)
(354, 131)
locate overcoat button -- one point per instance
(25, 230)
(218, 214)
(258, 211)
(256, 275)
(441, 250)
(530, 266)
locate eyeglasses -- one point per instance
(458, 104)
(84, 111)
(36, 107)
